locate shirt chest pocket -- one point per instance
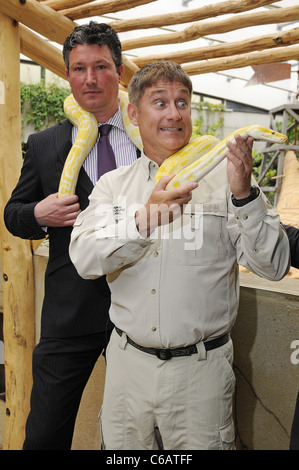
(202, 237)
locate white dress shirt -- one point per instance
(180, 285)
(123, 148)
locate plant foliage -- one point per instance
(42, 104)
(210, 120)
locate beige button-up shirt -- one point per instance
(181, 284)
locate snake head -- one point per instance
(269, 135)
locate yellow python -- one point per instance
(191, 163)
(203, 165)
(87, 134)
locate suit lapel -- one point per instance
(63, 141)
(84, 188)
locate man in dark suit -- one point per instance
(75, 326)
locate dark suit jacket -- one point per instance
(293, 236)
(72, 306)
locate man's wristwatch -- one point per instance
(254, 192)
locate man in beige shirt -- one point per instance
(171, 259)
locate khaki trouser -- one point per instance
(189, 399)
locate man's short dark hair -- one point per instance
(93, 33)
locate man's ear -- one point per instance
(133, 113)
(121, 71)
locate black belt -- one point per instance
(165, 354)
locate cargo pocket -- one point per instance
(227, 436)
(202, 242)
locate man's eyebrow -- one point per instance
(163, 91)
(82, 62)
(157, 92)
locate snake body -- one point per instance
(186, 156)
(87, 134)
(191, 163)
(131, 130)
(203, 165)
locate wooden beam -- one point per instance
(130, 69)
(17, 263)
(278, 39)
(40, 18)
(102, 8)
(243, 60)
(188, 16)
(204, 28)
(63, 4)
(42, 52)
(50, 57)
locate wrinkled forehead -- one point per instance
(164, 87)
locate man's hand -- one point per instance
(163, 206)
(54, 212)
(239, 167)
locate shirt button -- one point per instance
(156, 253)
(245, 217)
(154, 328)
(236, 216)
(153, 291)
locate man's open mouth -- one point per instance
(173, 129)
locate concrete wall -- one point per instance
(267, 381)
(266, 370)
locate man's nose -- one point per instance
(90, 76)
(173, 112)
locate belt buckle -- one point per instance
(163, 354)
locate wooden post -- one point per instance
(16, 255)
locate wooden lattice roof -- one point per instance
(54, 19)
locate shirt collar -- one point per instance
(115, 120)
(149, 167)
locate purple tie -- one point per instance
(106, 159)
